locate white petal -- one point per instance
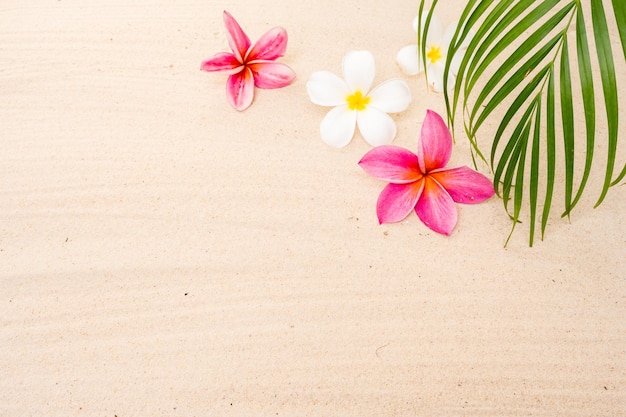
(392, 96)
(338, 125)
(408, 60)
(455, 64)
(327, 89)
(358, 70)
(415, 24)
(435, 29)
(448, 34)
(435, 77)
(376, 127)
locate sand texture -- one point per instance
(162, 254)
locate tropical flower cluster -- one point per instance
(419, 182)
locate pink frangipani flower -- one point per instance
(422, 182)
(250, 65)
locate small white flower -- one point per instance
(437, 45)
(354, 103)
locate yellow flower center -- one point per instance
(357, 102)
(434, 54)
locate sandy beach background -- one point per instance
(162, 254)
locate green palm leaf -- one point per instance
(620, 18)
(609, 85)
(524, 63)
(567, 119)
(550, 151)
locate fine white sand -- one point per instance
(162, 254)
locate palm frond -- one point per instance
(609, 85)
(620, 17)
(520, 63)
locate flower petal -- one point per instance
(358, 70)
(464, 184)
(392, 164)
(435, 77)
(435, 29)
(272, 45)
(448, 34)
(237, 39)
(338, 125)
(435, 208)
(408, 60)
(392, 96)
(435, 145)
(396, 201)
(224, 61)
(270, 74)
(240, 89)
(376, 127)
(455, 64)
(327, 89)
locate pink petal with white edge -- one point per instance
(272, 45)
(327, 89)
(464, 184)
(271, 74)
(224, 61)
(396, 201)
(435, 208)
(358, 70)
(392, 164)
(240, 89)
(392, 96)
(337, 128)
(435, 145)
(237, 39)
(376, 127)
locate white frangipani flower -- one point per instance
(437, 45)
(354, 104)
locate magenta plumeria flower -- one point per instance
(251, 65)
(422, 182)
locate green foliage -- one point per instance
(520, 61)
